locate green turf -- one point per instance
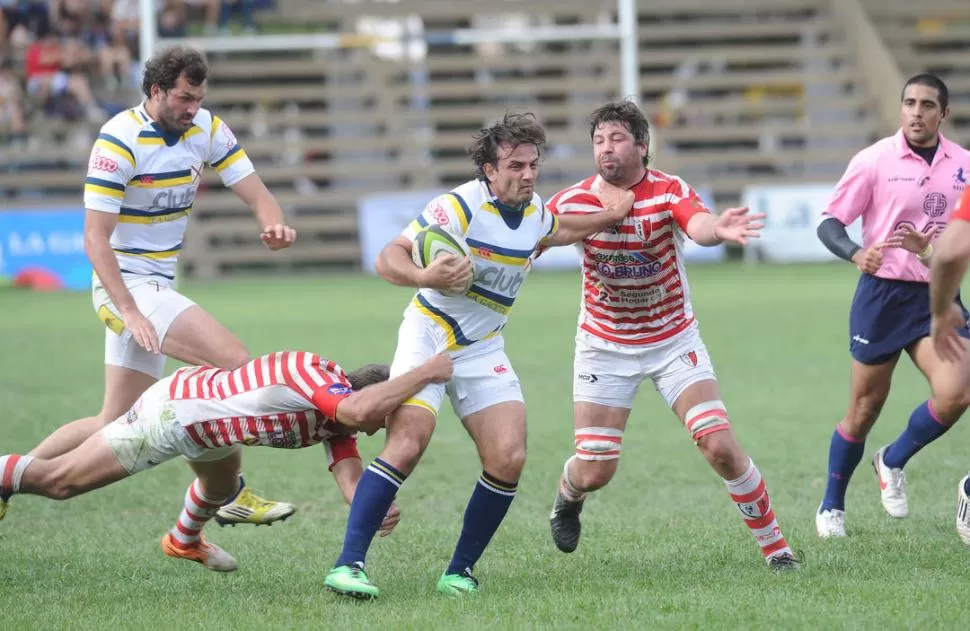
(663, 547)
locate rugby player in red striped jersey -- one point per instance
(286, 400)
(636, 323)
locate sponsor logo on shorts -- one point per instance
(339, 388)
(587, 377)
(500, 369)
(689, 358)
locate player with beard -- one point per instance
(636, 323)
(143, 176)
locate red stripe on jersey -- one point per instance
(222, 426)
(286, 423)
(237, 430)
(196, 438)
(244, 374)
(209, 433)
(305, 369)
(253, 427)
(284, 369)
(301, 418)
(642, 323)
(627, 339)
(258, 369)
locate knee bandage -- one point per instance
(706, 418)
(598, 443)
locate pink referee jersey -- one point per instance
(889, 185)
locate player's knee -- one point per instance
(508, 464)
(594, 475)
(408, 438)
(721, 450)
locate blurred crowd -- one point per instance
(77, 59)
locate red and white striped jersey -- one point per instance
(635, 288)
(286, 400)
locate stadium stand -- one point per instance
(740, 92)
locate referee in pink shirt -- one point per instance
(905, 188)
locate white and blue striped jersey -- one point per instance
(150, 177)
(502, 241)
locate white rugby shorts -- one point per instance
(158, 302)
(150, 434)
(607, 373)
(482, 376)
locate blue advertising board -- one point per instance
(50, 239)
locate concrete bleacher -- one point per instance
(741, 92)
(931, 36)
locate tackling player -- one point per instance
(636, 323)
(143, 177)
(904, 187)
(287, 400)
(503, 221)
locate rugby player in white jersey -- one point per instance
(636, 323)
(503, 221)
(143, 176)
(287, 400)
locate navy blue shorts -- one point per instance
(887, 316)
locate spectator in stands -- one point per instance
(55, 76)
(208, 10)
(171, 18)
(124, 21)
(245, 10)
(20, 18)
(11, 106)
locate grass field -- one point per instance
(663, 546)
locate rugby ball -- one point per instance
(434, 241)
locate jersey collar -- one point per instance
(169, 138)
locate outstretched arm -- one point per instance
(617, 204)
(367, 409)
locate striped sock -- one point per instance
(751, 497)
(486, 509)
(372, 499)
(12, 469)
(198, 510)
